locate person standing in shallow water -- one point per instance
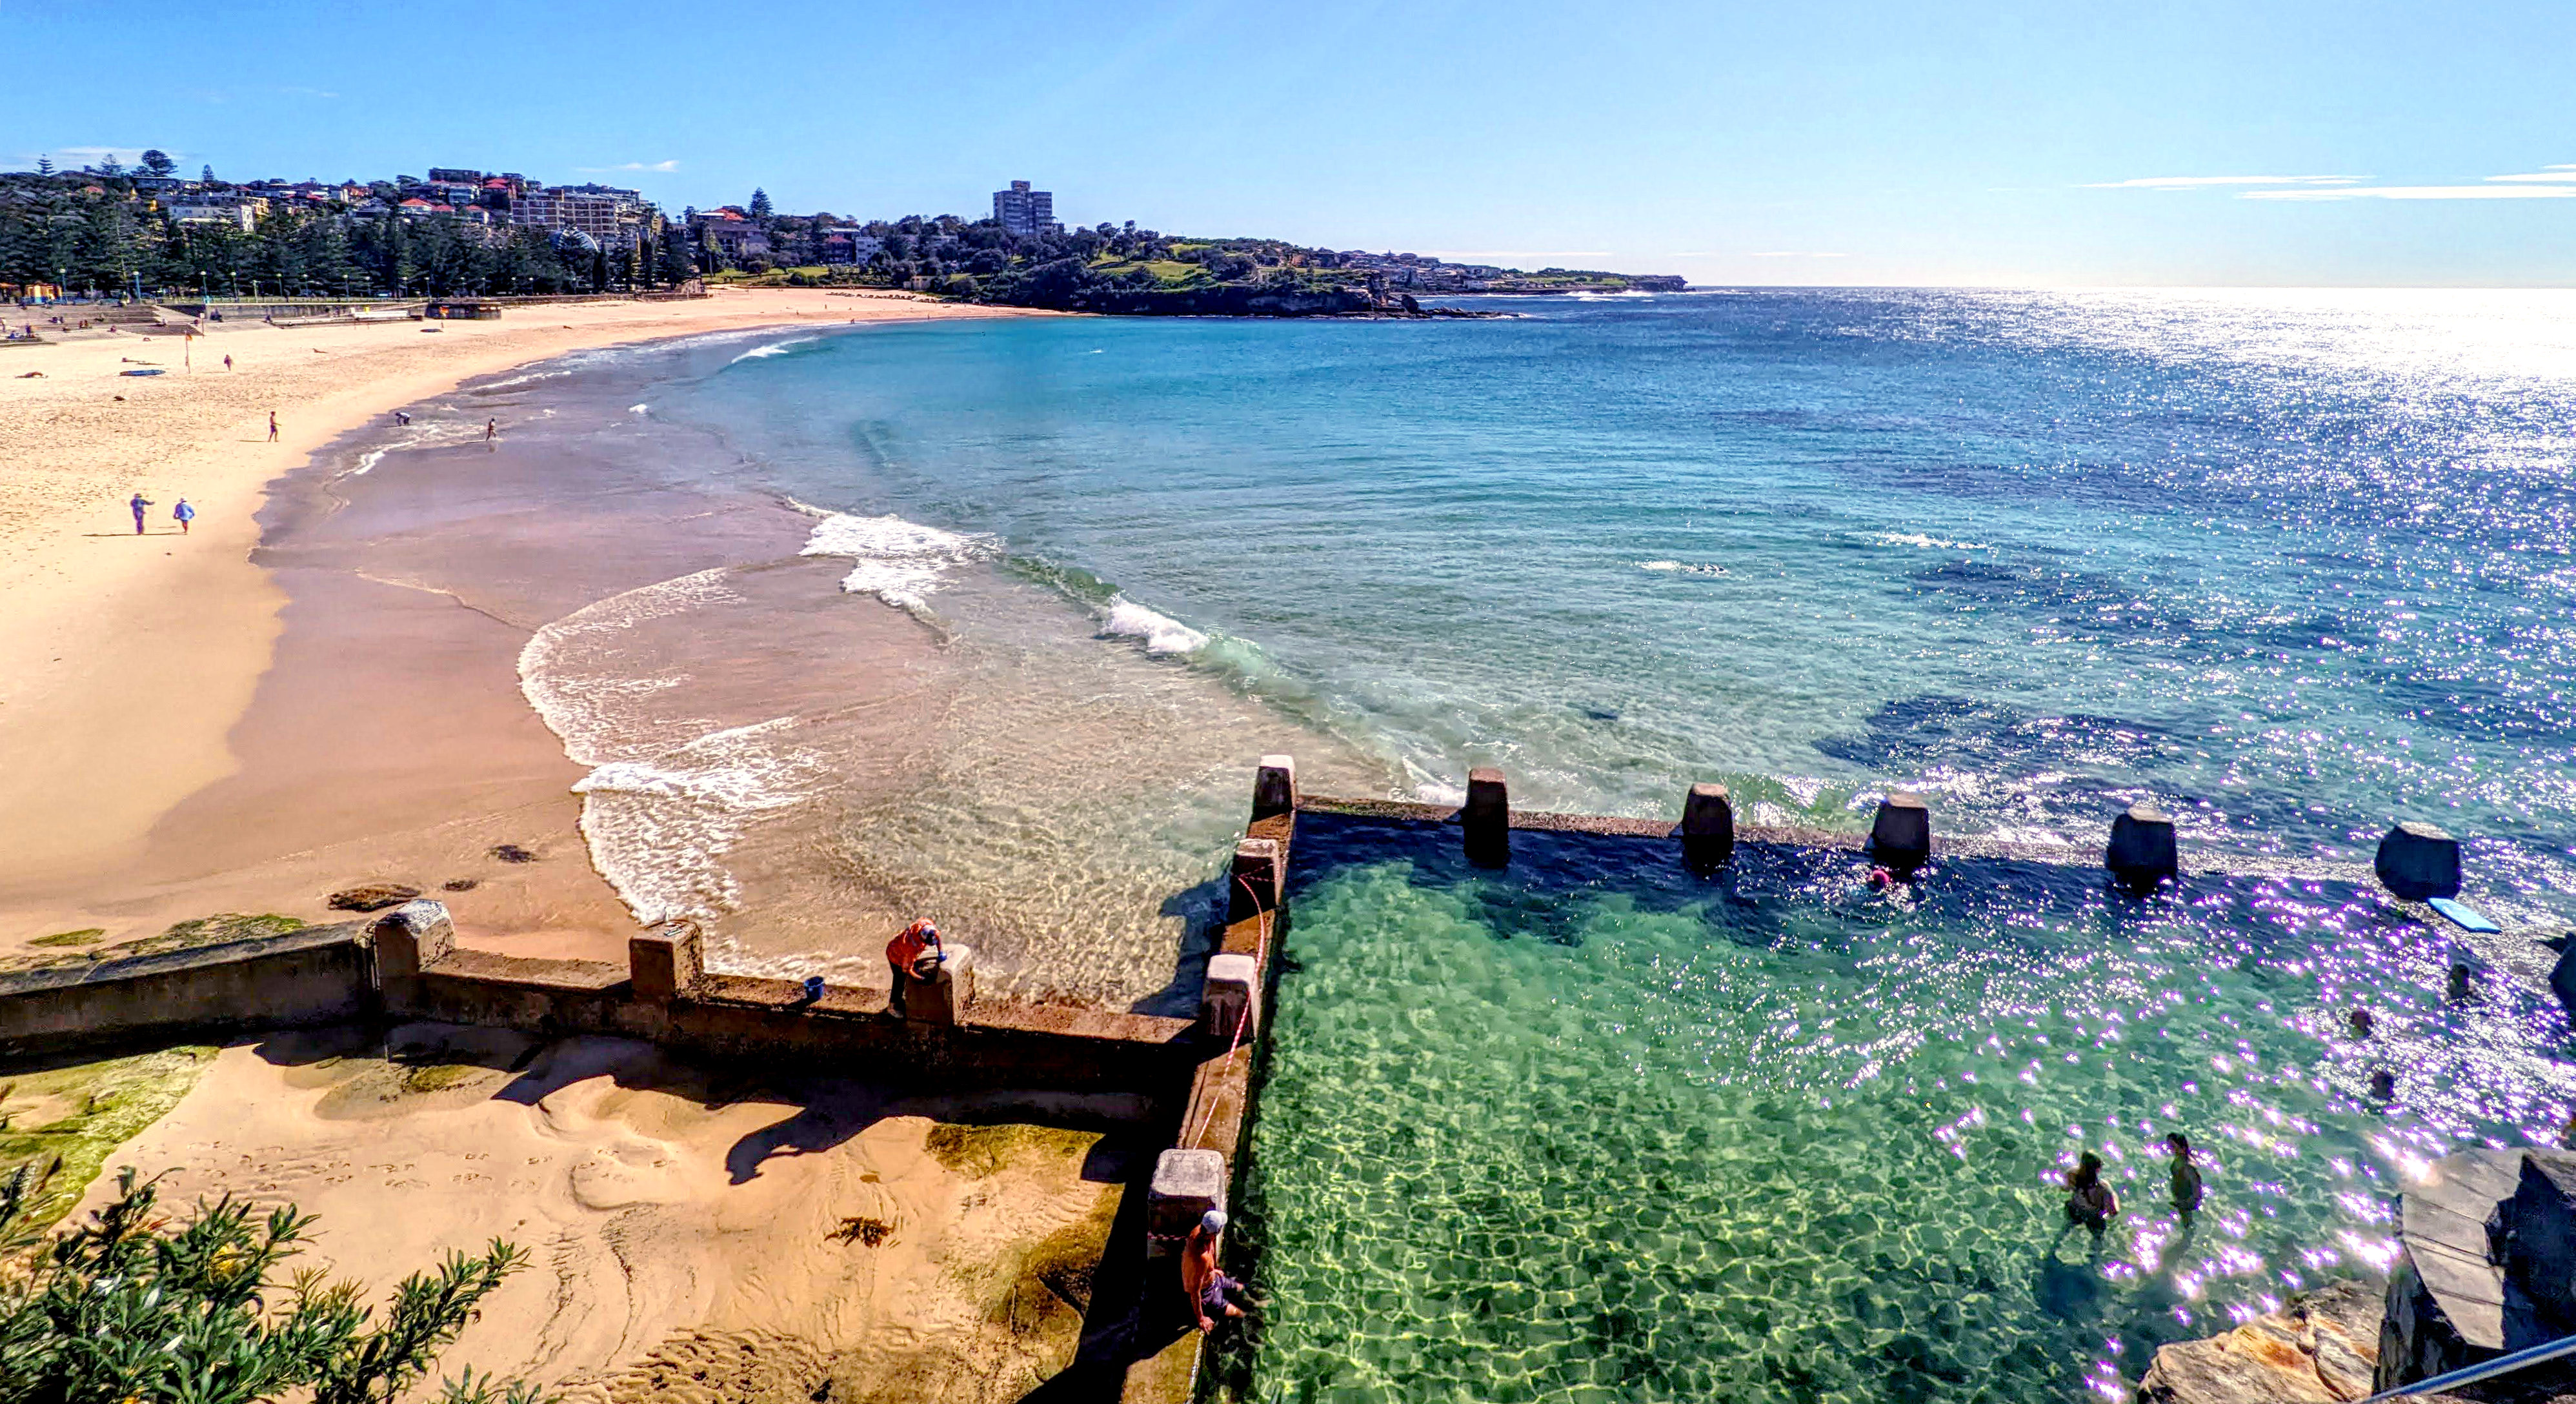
(2186, 1176)
(2090, 1202)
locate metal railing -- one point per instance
(2485, 1370)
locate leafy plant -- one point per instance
(135, 1308)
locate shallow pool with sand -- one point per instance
(1591, 1128)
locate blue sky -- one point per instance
(1810, 142)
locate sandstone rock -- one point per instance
(372, 897)
(2321, 1347)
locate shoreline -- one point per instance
(129, 663)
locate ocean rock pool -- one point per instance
(1593, 1128)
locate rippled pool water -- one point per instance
(1591, 1128)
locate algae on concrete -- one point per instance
(81, 948)
(74, 1116)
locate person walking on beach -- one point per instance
(138, 504)
(2186, 1175)
(491, 430)
(272, 426)
(228, 360)
(1214, 1296)
(2090, 1202)
(183, 514)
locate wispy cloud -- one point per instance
(1794, 253)
(2545, 173)
(308, 92)
(2198, 182)
(659, 167)
(2422, 192)
(1519, 253)
(84, 155)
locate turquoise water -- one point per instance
(2294, 564)
(1593, 1129)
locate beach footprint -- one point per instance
(630, 1170)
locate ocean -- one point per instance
(1038, 592)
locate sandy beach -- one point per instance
(127, 663)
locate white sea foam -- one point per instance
(1429, 788)
(1681, 567)
(775, 348)
(1162, 634)
(635, 409)
(659, 830)
(666, 796)
(899, 562)
(1928, 543)
(553, 372)
(421, 436)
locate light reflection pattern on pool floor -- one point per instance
(1592, 1129)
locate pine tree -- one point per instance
(44, 165)
(158, 163)
(207, 173)
(760, 208)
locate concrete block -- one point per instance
(1708, 826)
(1487, 818)
(1274, 787)
(1900, 838)
(666, 962)
(2562, 981)
(940, 997)
(2142, 851)
(411, 938)
(2417, 861)
(1225, 996)
(1252, 885)
(1186, 1184)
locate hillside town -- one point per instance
(112, 231)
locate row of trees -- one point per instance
(111, 242)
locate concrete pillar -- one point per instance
(411, 938)
(1708, 827)
(666, 962)
(1225, 997)
(2142, 851)
(1252, 885)
(1274, 787)
(940, 997)
(1487, 818)
(1900, 838)
(1187, 1184)
(2417, 861)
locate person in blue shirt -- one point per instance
(184, 514)
(138, 504)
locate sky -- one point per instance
(1818, 142)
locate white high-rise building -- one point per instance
(1023, 211)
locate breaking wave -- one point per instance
(665, 798)
(1161, 634)
(899, 562)
(775, 348)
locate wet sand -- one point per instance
(693, 1236)
(156, 765)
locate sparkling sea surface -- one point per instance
(1592, 1128)
(2293, 564)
